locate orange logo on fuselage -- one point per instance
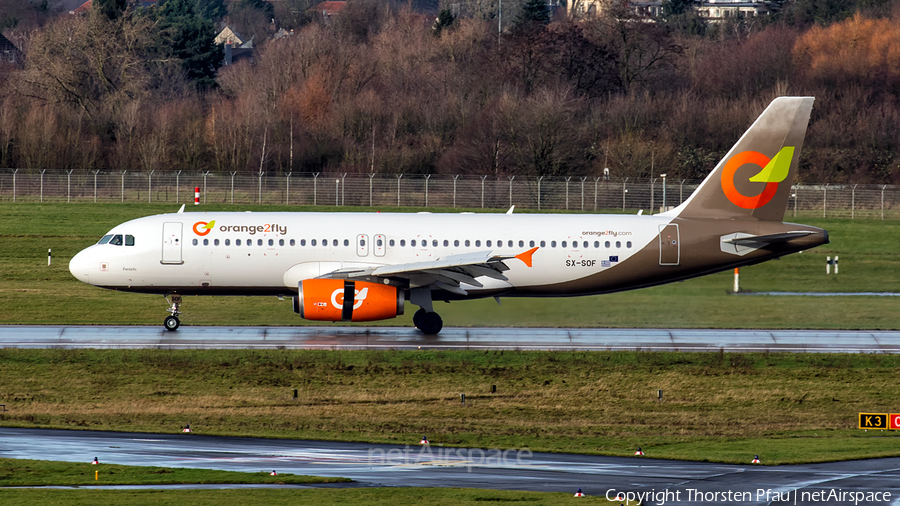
(202, 228)
(774, 171)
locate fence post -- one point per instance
(454, 190)
(343, 187)
(69, 185)
(482, 190)
(596, 181)
(795, 194)
(624, 191)
(427, 177)
(681, 192)
(42, 184)
(258, 186)
(150, 187)
(14, 184)
(371, 176)
(582, 192)
(882, 201)
(204, 186)
(398, 189)
(315, 188)
(123, 185)
(232, 186)
(337, 191)
(177, 184)
(287, 189)
(567, 192)
(539, 191)
(510, 189)
(824, 200)
(853, 203)
(95, 185)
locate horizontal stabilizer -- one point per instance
(755, 240)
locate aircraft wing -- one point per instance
(445, 273)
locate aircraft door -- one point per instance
(171, 247)
(379, 245)
(362, 245)
(669, 245)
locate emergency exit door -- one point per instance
(171, 247)
(669, 245)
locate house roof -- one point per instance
(227, 35)
(329, 8)
(6, 46)
(83, 8)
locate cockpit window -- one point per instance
(105, 239)
(116, 240)
(129, 240)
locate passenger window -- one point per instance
(249, 242)
(596, 244)
(510, 244)
(281, 242)
(456, 242)
(446, 243)
(194, 242)
(259, 242)
(129, 240)
(402, 242)
(391, 242)
(334, 242)
(628, 244)
(379, 243)
(564, 244)
(272, 242)
(206, 242)
(478, 243)
(313, 242)
(488, 243)
(543, 243)
(105, 239)
(303, 242)
(585, 244)
(346, 242)
(237, 242)
(552, 244)
(293, 242)
(116, 240)
(521, 244)
(227, 242)
(325, 242)
(606, 244)
(531, 244)
(412, 243)
(434, 243)
(216, 242)
(618, 244)
(467, 243)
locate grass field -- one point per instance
(724, 407)
(33, 293)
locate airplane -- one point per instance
(364, 266)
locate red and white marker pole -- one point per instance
(737, 280)
(196, 195)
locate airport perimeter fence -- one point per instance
(576, 193)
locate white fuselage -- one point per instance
(269, 253)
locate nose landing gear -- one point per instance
(172, 322)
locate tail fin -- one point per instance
(754, 179)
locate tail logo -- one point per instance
(202, 228)
(774, 171)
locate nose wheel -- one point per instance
(172, 322)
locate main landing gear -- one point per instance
(172, 322)
(425, 319)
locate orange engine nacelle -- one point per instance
(337, 300)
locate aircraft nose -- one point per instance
(79, 266)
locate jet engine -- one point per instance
(336, 300)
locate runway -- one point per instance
(436, 466)
(407, 338)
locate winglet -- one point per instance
(526, 256)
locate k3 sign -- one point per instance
(874, 420)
